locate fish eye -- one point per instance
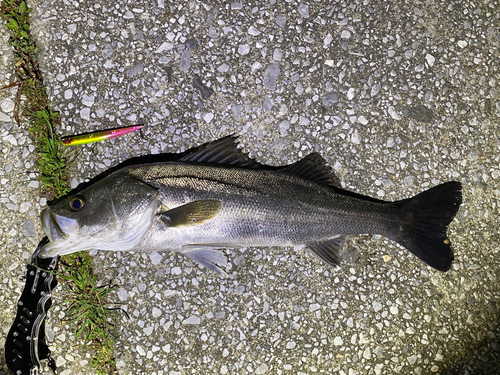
(77, 203)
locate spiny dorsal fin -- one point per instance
(222, 151)
(328, 251)
(313, 167)
(192, 213)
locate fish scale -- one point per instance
(280, 195)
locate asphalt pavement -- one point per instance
(397, 96)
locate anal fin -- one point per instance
(328, 251)
(207, 257)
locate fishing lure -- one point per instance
(81, 139)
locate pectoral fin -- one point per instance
(192, 213)
(328, 251)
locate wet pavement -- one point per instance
(397, 97)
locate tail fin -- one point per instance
(427, 216)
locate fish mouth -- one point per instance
(57, 228)
(50, 226)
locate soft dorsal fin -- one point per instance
(313, 167)
(223, 151)
(192, 213)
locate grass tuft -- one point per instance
(88, 307)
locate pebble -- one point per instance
(393, 113)
(262, 369)
(85, 113)
(277, 55)
(375, 89)
(355, 137)
(4, 117)
(165, 46)
(24, 207)
(299, 89)
(314, 307)
(346, 34)
(284, 126)
(303, 10)
(239, 289)
(255, 66)
(291, 345)
(272, 74)
(430, 59)
(350, 93)
(157, 312)
(107, 51)
(338, 341)
(185, 60)
(155, 257)
(362, 120)
(244, 49)
(208, 117)
(60, 361)
(281, 21)
(328, 39)
(268, 104)
(140, 350)
(330, 99)
(11, 139)
(8, 105)
(136, 69)
(237, 110)
(377, 306)
(212, 33)
(253, 31)
(223, 68)
(29, 228)
(367, 354)
(193, 319)
(88, 100)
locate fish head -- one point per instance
(112, 214)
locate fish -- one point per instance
(214, 196)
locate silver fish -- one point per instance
(214, 196)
